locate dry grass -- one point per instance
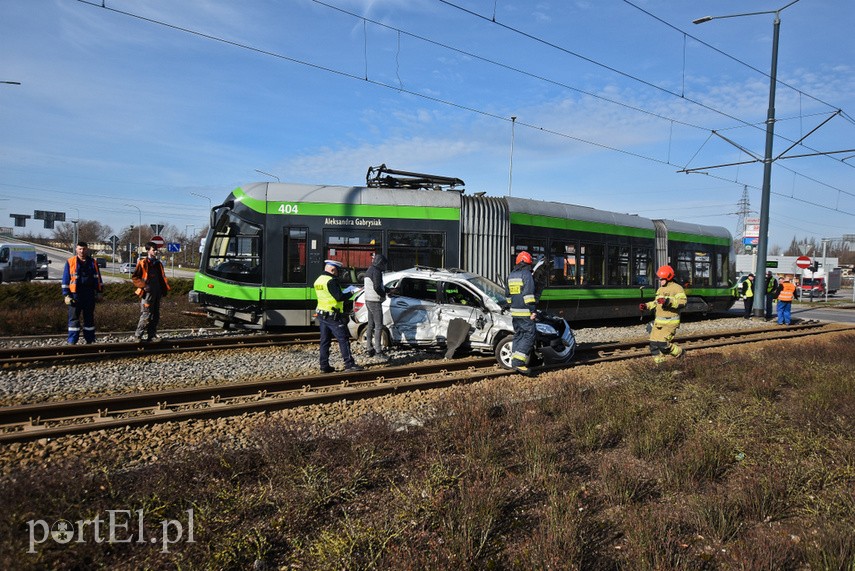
(743, 462)
(36, 308)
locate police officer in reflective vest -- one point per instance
(748, 295)
(670, 299)
(331, 317)
(81, 287)
(521, 295)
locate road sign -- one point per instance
(173, 247)
(156, 228)
(114, 240)
(158, 241)
(803, 262)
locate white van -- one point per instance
(17, 262)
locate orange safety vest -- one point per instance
(144, 263)
(72, 272)
(788, 290)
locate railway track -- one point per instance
(52, 419)
(53, 354)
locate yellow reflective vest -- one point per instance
(326, 301)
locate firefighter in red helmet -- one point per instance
(670, 299)
(521, 295)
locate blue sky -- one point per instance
(153, 103)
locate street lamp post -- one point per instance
(210, 205)
(139, 228)
(763, 241)
(186, 233)
(74, 237)
(268, 174)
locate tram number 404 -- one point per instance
(288, 209)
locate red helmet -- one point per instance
(523, 258)
(665, 272)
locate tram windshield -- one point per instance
(235, 252)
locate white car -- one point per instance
(421, 302)
(127, 268)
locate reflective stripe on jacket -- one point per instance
(69, 281)
(675, 295)
(788, 291)
(140, 276)
(326, 301)
(520, 292)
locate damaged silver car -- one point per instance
(427, 307)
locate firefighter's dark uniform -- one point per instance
(670, 299)
(331, 318)
(81, 281)
(520, 293)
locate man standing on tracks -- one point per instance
(670, 299)
(748, 295)
(520, 292)
(786, 293)
(81, 288)
(771, 293)
(331, 317)
(150, 279)
(375, 294)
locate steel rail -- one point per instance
(52, 419)
(51, 354)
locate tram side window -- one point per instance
(642, 264)
(533, 246)
(294, 264)
(702, 274)
(236, 250)
(591, 261)
(564, 264)
(354, 249)
(408, 249)
(618, 265)
(684, 267)
(723, 264)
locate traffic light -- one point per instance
(815, 266)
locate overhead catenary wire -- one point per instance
(466, 107)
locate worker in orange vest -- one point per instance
(786, 293)
(81, 288)
(150, 279)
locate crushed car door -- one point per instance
(459, 302)
(412, 304)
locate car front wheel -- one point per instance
(504, 351)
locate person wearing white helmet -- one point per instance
(670, 299)
(331, 317)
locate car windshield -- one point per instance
(493, 290)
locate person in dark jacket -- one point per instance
(81, 288)
(521, 295)
(374, 296)
(150, 279)
(771, 293)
